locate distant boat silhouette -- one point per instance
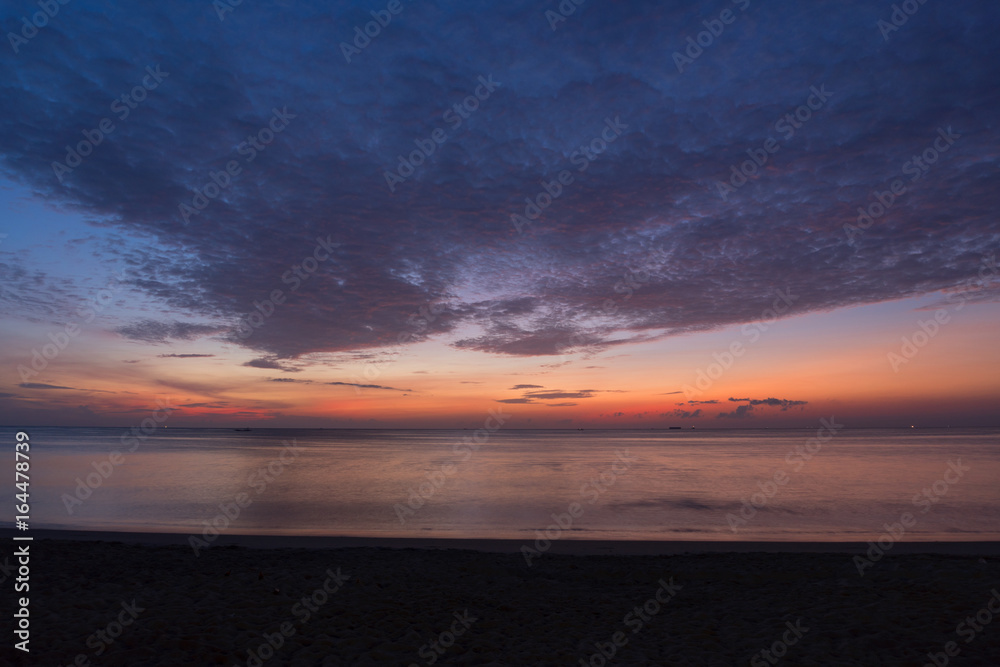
(675, 428)
(241, 429)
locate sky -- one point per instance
(726, 214)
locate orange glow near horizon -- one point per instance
(632, 386)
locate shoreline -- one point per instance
(562, 546)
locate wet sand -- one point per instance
(148, 600)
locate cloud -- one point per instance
(650, 200)
(683, 414)
(741, 412)
(548, 395)
(527, 386)
(39, 385)
(289, 380)
(745, 411)
(782, 403)
(560, 405)
(365, 386)
(271, 364)
(184, 356)
(151, 331)
(556, 394)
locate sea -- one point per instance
(828, 483)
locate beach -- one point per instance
(121, 599)
(500, 333)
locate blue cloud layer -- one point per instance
(640, 244)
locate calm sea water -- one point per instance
(661, 485)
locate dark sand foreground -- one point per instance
(155, 603)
